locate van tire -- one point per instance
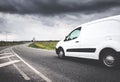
(61, 53)
(109, 58)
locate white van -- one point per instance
(99, 40)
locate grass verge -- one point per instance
(49, 45)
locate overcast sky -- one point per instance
(50, 19)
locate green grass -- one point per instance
(49, 45)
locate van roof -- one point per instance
(117, 17)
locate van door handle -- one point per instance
(76, 41)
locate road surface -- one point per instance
(53, 69)
(1, 48)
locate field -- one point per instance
(49, 45)
(3, 43)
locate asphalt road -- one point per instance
(65, 70)
(1, 48)
(14, 69)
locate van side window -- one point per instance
(73, 35)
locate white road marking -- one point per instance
(3, 57)
(5, 53)
(36, 71)
(20, 71)
(9, 63)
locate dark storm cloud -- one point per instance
(49, 7)
(2, 25)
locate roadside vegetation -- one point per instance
(3, 43)
(49, 45)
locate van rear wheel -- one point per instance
(61, 53)
(109, 58)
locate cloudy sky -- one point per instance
(50, 19)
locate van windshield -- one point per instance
(73, 35)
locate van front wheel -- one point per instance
(109, 58)
(61, 53)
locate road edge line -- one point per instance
(36, 71)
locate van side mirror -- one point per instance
(65, 38)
